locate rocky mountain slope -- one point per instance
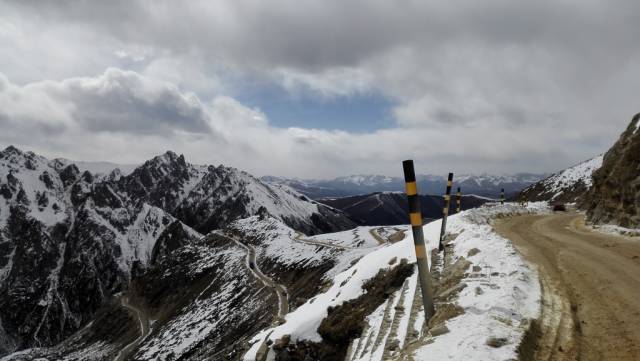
(482, 185)
(70, 240)
(390, 208)
(203, 298)
(615, 195)
(565, 186)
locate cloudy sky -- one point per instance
(321, 88)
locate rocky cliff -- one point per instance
(615, 195)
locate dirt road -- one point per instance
(143, 321)
(299, 237)
(252, 265)
(591, 287)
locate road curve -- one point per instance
(143, 321)
(279, 289)
(298, 237)
(591, 287)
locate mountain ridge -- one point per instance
(70, 239)
(354, 185)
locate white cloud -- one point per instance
(477, 86)
(330, 83)
(126, 117)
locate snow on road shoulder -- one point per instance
(510, 294)
(499, 299)
(615, 230)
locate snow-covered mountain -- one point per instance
(483, 185)
(565, 186)
(70, 240)
(205, 299)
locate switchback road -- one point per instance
(591, 287)
(143, 321)
(252, 265)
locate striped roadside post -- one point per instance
(501, 195)
(415, 216)
(445, 211)
(458, 201)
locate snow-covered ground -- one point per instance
(509, 293)
(288, 247)
(615, 230)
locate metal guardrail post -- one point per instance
(415, 216)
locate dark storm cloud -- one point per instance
(310, 34)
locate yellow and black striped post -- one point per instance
(501, 195)
(445, 211)
(415, 216)
(458, 201)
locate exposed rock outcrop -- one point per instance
(615, 195)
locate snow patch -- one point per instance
(512, 295)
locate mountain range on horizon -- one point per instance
(484, 185)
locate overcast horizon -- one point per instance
(321, 89)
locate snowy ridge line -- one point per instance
(496, 310)
(569, 177)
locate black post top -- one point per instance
(409, 173)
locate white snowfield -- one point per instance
(510, 295)
(558, 182)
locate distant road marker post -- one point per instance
(501, 195)
(415, 216)
(445, 211)
(458, 201)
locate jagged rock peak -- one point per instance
(28, 159)
(10, 150)
(168, 157)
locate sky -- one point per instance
(319, 89)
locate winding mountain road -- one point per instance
(252, 265)
(591, 287)
(143, 321)
(298, 237)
